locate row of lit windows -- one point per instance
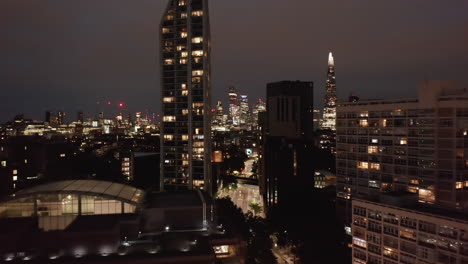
(169, 99)
(169, 137)
(169, 119)
(184, 54)
(368, 166)
(460, 185)
(183, 15)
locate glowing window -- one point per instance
(414, 181)
(183, 15)
(168, 61)
(184, 92)
(185, 137)
(459, 185)
(183, 86)
(183, 61)
(184, 54)
(63, 155)
(363, 165)
(183, 34)
(168, 137)
(384, 123)
(364, 114)
(185, 163)
(363, 123)
(198, 144)
(197, 73)
(359, 242)
(403, 141)
(221, 249)
(372, 149)
(197, 60)
(182, 2)
(169, 99)
(169, 118)
(197, 40)
(15, 172)
(375, 166)
(4, 163)
(169, 17)
(197, 105)
(185, 111)
(197, 53)
(198, 150)
(426, 196)
(375, 141)
(166, 30)
(197, 13)
(180, 47)
(15, 178)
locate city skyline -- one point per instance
(81, 69)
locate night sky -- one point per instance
(69, 54)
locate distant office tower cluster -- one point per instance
(287, 141)
(240, 115)
(55, 120)
(186, 96)
(52, 125)
(402, 172)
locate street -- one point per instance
(243, 196)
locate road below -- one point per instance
(243, 196)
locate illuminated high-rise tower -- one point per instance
(244, 112)
(260, 106)
(234, 107)
(219, 113)
(329, 109)
(186, 95)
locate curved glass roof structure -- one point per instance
(117, 191)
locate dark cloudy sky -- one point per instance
(68, 54)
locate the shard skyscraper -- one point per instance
(329, 109)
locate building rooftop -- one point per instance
(88, 187)
(424, 209)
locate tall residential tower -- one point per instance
(186, 94)
(329, 109)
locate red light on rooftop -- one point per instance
(109, 102)
(121, 104)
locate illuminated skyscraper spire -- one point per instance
(331, 61)
(329, 110)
